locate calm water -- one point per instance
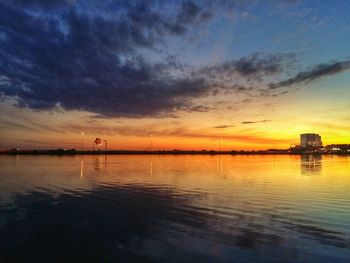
(174, 209)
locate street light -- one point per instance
(82, 141)
(105, 141)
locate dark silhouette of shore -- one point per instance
(155, 152)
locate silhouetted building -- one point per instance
(338, 148)
(310, 140)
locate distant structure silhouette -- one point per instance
(98, 142)
(308, 140)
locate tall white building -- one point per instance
(310, 140)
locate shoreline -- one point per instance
(61, 152)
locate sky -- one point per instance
(189, 74)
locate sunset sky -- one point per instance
(252, 73)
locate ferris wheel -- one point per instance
(98, 143)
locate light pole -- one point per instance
(82, 141)
(105, 141)
(151, 142)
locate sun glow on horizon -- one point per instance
(255, 80)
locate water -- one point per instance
(174, 209)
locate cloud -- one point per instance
(252, 122)
(79, 55)
(178, 131)
(319, 71)
(28, 125)
(192, 13)
(223, 126)
(90, 60)
(43, 4)
(252, 65)
(199, 108)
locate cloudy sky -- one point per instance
(252, 73)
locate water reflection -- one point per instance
(219, 165)
(151, 166)
(108, 223)
(140, 224)
(81, 169)
(256, 210)
(310, 164)
(100, 162)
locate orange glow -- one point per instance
(26, 129)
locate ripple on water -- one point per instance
(198, 208)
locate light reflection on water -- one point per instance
(175, 208)
(310, 164)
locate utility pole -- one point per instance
(105, 144)
(82, 141)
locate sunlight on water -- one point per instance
(175, 208)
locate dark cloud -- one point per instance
(254, 64)
(252, 122)
(223, 126)
(82, 55)
(250, 69)
(200, 108)
(77, 60)
(319, 71)
(42, 4)
(190, 12)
